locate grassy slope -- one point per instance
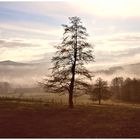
(38, 120)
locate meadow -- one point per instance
(34, 119)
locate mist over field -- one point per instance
(28, 74)
(131, 70)
(23, 74)
(70, 69)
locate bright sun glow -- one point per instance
(111, 7)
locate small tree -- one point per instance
(69, 72)
(100, 90)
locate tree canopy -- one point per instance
(69, 72)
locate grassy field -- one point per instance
(49, 97)
(19, 120)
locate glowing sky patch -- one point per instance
(33, 28)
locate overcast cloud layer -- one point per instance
(29, 30)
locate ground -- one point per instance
(20, 120)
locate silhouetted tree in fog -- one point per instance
(68, 72)
(100, 90)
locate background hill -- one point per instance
(22, 74)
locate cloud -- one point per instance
(126, 38)
(16, 12)
(20, 49)
(110, 8)
(129, 52)
(4, 43)
(124, 41)
(113, 27)
(122, 48)
(29, 30)
(130, 55)
(45, 57)
(105, 8)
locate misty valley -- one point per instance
(80, 79)
(20, 80)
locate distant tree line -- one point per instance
(7, 88)
(126, 89)
(121, 89)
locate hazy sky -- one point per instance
(29, 30)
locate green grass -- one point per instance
(37, 120)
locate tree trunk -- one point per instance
(72, 81)
(73, 73)
(72, 87)
(71, 100)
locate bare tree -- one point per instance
(100, 90)
(69, 71)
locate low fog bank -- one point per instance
(125, 71)
(22, 75)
